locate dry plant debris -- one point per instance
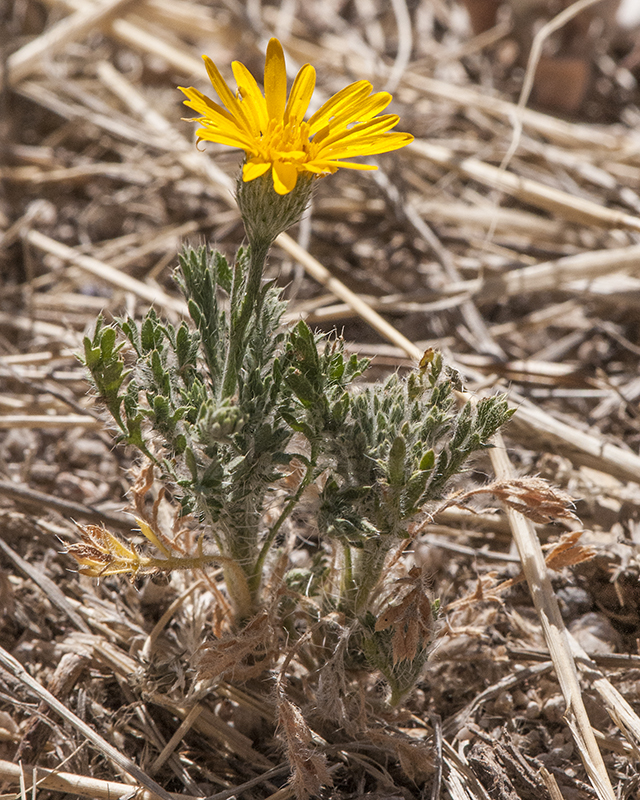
(506, 236)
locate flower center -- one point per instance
(289, 143)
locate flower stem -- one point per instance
(250, 307)
(360, 578)
(347, 585)
(256, 578)
(149, 563)
(235, 578)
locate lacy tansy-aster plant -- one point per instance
(243, 418)
(271, 129)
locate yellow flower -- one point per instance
(271, 128)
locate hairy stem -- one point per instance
(256, 578)
(348, 587)
(238, 588)
(369, 564)
(250, 307)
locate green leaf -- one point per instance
(130, 329)
(195, 313)
(223, 272)
(191, 462)
(395, 462)
(301, 387)
(92, 355)
(150, 334)
(107, 343)
(427, 461)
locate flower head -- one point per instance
(271, 129)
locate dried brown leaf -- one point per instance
(150, 522)
(143, 482)
(566, 552)
(411, 618)
(486, 591)
(240, 656)
(533, 497)
(415, 755)
(309, 767)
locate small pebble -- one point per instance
(520, 699)
(503, 703)
(554, 708)
(465, 735)
(573, 601)
(18, 444)
(86, 452)
(595, 633)
(532, 711)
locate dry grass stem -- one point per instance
(555, 634)
(39, 778)
(17, 670)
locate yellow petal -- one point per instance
(372, 147)
(285, 176)
(361, 131)
(251, 96)
(359, 111)
(275, 80)
(336, 104)
(202, 104)
(254, 169)
(364, 142)
(353, 165)
(373, 105)
(318, 167)
(230, 139)
(300, 95)
(226, 95)
(332, 166)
